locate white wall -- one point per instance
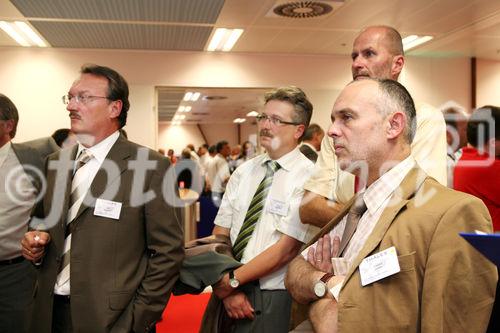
(35, 79)
(488, 83)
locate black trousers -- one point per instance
(16, 295)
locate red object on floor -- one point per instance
(183, 314)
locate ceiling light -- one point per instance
(233, 38)
(179, 116)
(239, 120)
(224, 39)
(252, 114)
(181, 108)
(414, 40)
(31, 34)
(187, 96)
(195, 96)
(9, 29)
(22, 33)
(187, 109)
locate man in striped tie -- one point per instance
(259, 211)
(108, 262)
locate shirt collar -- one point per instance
(377, 193)
(286, 161)
(100, 150)
(4, 151)
(309, 145)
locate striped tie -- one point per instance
(78, 190)
(254, 210)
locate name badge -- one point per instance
(379, 266)
(107, 208)
(278, 207)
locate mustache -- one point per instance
(74, 114)
(265, 132)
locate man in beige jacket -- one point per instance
(393, 260)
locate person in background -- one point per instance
(64, 138)
(393, 259)
(259, 212)
(171, 156)
(247, 153)
(20, 167)
(233, 158)
(311, 143)
(218, 172)
(107, 240)
(456, 137)
(377, 52)
(478, 170)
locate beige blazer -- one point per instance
(122, 271)
(444, 285)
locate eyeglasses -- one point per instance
(275, 121)
(83, 99)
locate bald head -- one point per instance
(391, 37)
(377, 53)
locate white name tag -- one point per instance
(379, 266)
(278, 207)
(107, 208)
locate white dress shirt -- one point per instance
(286, 190)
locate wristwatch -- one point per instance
(233, 282)
(320, 286)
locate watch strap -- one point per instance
(325, 278)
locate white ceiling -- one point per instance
(461, 27)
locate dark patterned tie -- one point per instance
(254, 210)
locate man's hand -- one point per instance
(238, 306)
(223, 289)
(326, 249)
(33, 244)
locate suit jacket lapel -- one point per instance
(330, 225)
(408, 187)
(118, 155)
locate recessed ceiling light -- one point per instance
(187, 109)
(224, 39)
(188, 95)
(195, 96)
(181, 108)
(412, 41)
(252, 114)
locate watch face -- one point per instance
(320, 289)
(234, 283)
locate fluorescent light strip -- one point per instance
(233, 38)
(30, 33)
(216, 39)
(224, 39)
(13, 34)
(414, 42)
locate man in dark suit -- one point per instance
(107, 262)
(311, 143)
(20, 183)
